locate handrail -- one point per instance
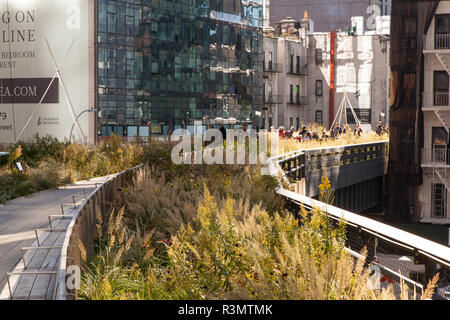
(325, 148)
(95, 197)
(375, 235)
(397, 236)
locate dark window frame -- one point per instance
(319, 88)
(319, 58)
(319, 117)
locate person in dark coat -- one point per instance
(380, 129)
(358, 130)
(224, 132)
(337, 130)
(304, 131)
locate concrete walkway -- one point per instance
(20, 217)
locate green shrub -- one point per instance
(49, 163)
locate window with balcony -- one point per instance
(442, 31)
(440, 88)
(439, 144)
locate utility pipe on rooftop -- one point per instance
(332, 74)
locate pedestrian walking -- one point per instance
(358, 130)
(337, 130)
(380, 130)
(224, 132)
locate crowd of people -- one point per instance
(304, 134)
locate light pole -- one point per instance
(79, 115)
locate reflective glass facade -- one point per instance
(174, 62)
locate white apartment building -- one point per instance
(360, 65)
(298, 72)
(285, 71)
(433, 193)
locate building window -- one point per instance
(291, 64)
(318, 118)
(298, 64)
(440, 88)
(439, 144)
(270, 61)
(319, 88)
(291, 94)
(319, 56)
(442, 31)
(438, 200)
(291, 122)
(297, 123)
(297, 92)
(442, 25)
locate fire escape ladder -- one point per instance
(441, 116)
(442, 59)
(442, 174)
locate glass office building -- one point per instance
(175, 62)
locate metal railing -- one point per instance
(436, 156)
(436, 99)
(81, 230)
(399, 255)
(439, 41)
(442, 41)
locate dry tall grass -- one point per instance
(233, 251)
(221, 244)
(289, 144)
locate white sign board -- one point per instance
(37, 37)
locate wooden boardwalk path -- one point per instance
(21, 221)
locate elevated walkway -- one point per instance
(32, 231)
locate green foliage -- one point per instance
(49, 163)
(40, 148)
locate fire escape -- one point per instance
(437, 102)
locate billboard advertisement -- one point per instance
(44, 58)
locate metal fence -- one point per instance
(396, 254)
(81, 230)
